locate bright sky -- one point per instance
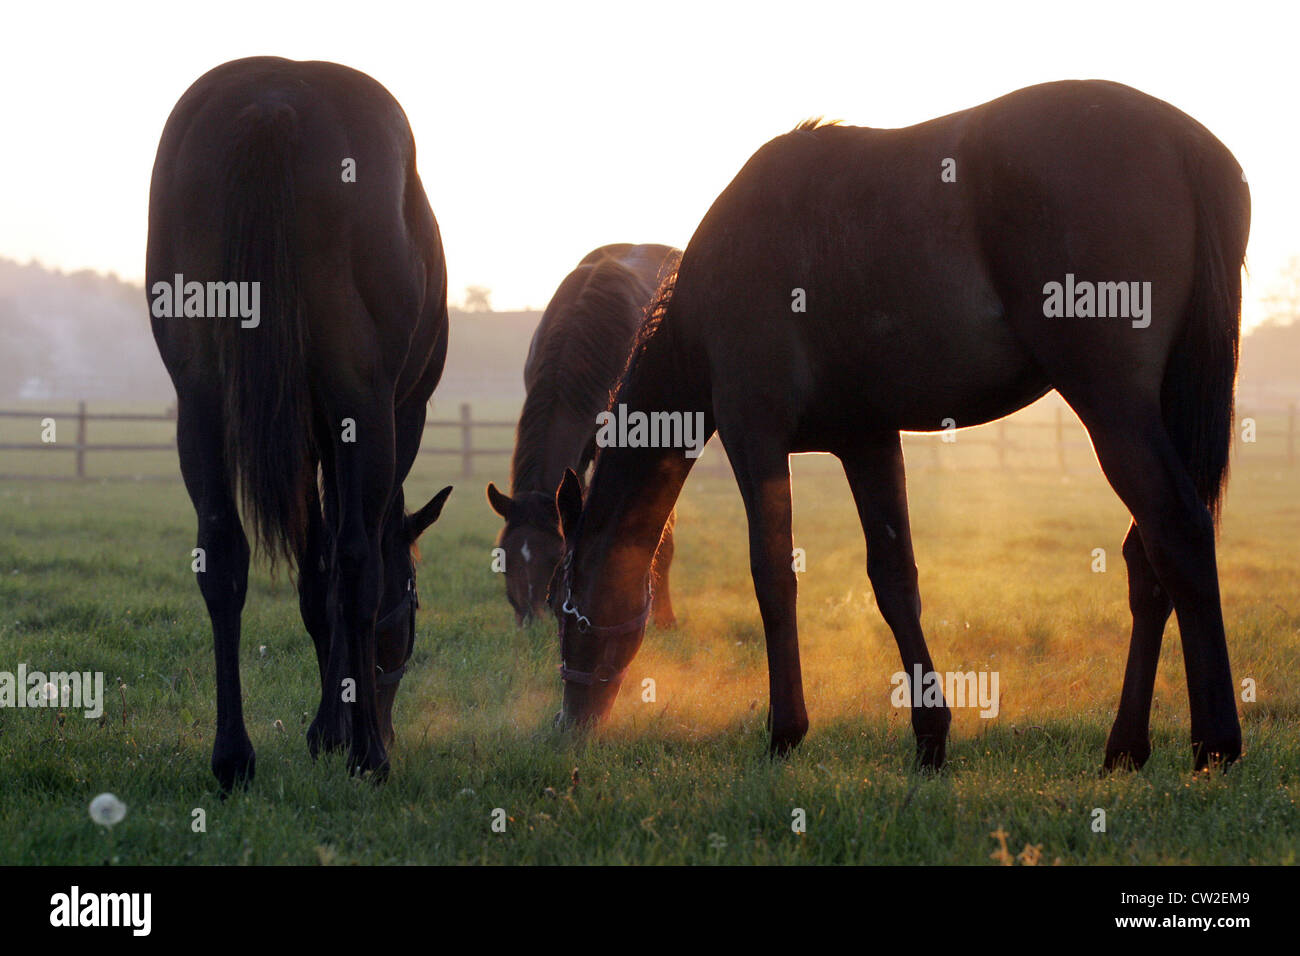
(545, 129)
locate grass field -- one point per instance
(96, 576)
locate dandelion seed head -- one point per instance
(107, 810)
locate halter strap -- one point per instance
(409, 602)
(604, 672)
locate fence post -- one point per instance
(466, 441)
(81, 439)
(1290, 436)
(1060, 436)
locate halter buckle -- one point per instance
(584, 622)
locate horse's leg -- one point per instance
(313, 581)
(1177, 534)
(663, 560)
(330, 730)
(876, 476)
(409, 430)
(1129, 743)
(224, 581)
(763, 474)
(364, 471)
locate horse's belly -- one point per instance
(949, 356)
(964, 404)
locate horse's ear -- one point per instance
(418, 523)
(568, 501)
(500, 502)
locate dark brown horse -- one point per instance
(287, 215)
(957, 269)
(577, 354)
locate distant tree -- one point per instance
(1282, 303)
(478, 298)
(1270, 353)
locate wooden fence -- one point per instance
(1007, 437)
(465, 449)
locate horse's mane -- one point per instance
(651, 330)
(814, 123)
(575, 363)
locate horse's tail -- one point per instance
(268, 445)
(1200, 378)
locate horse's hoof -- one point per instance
(374, 761)
(1122, 757)
(1221, 755)
(321, 739)
(234, 765)
(785, 739)
(931, 755)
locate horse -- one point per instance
(851, 283)
(286, 212)
(574, 361)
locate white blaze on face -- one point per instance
(528, 557)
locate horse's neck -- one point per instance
(634, 490)
(543, 456)
(559, 415)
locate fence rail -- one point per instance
(1066, 435)
(466, 424)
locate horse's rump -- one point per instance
(252, 187)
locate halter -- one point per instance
(605, 670)
(409, 602)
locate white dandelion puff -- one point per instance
(107, 810)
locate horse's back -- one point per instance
(903, 269)
(650, 262)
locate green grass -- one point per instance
(96, 576)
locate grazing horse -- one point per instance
(287, 214)
(576, 357)
(851, 283)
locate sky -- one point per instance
(544, 130)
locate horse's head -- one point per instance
(395, 627)
(601, 613)
(533, 547)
